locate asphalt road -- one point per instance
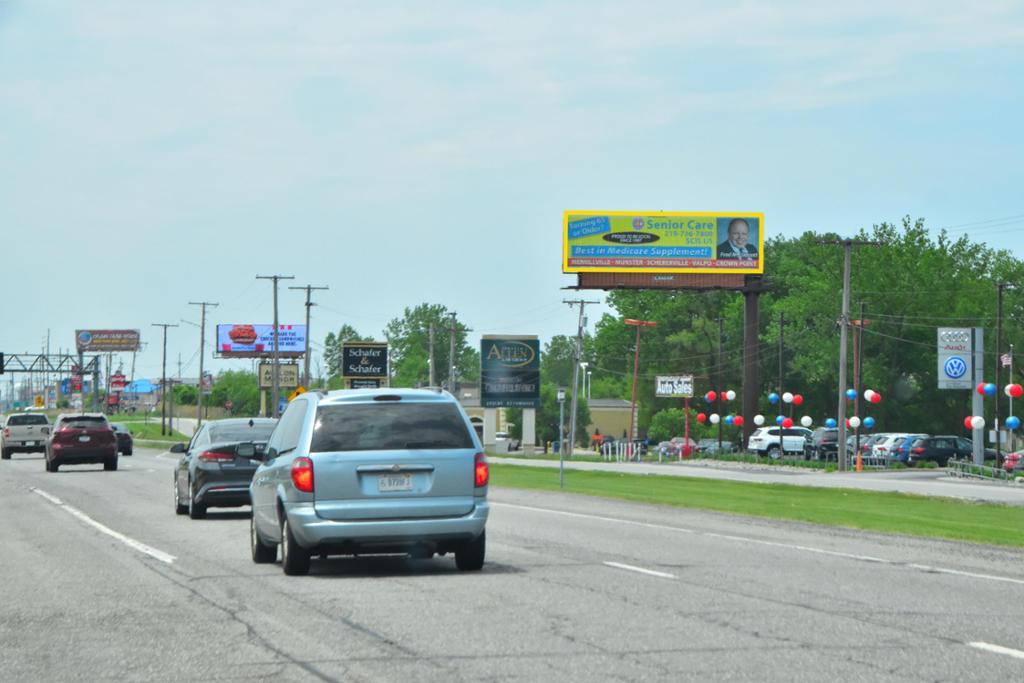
(101, 580)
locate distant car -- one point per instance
(81, 438)
(368, 471)
(681, 445)
(217, 465)
(823, 444)
(883, 447)
(25, 433)
(775, 441)
(901, 450)
(1014, 462)
(125, 442)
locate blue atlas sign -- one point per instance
(509, 372)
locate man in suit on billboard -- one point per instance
(736, 246)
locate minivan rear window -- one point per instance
(22, 420)
(398, 425)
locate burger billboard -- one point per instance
(257, 341)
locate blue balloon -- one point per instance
(779, 420)
(869, 422)
(830, 423)
(1013, 422)
(990, 389)
(773, 397)
(851, 394)
(728, 419)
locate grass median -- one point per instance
(869, 510)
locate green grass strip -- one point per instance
(899, 513)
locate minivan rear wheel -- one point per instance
(294, 558)
(470, 557)
(261, 552)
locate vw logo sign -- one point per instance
(955, 367)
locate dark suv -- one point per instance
(80, 439)
(940, 449)
(823, 444)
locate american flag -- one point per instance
(1006, 360)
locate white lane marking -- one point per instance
(128, 541)
(641, 570)
(998, 649)
(776, 544)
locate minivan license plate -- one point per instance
(394, 482)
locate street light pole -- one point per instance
(561, 438)
(636, 369)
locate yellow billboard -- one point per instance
(662, 242)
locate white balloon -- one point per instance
(868, 393)
(730, 395)
(978, 422)
(759, 420)
(806, 421)
(1006, 390)
(787, 397)
(855, 422)
(714, 418)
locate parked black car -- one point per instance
(125, 442)
(216, 467)
(823, 444)
(940, 449)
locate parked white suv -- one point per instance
(769, 441)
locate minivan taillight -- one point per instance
(482, 472)
(302, 474)
(917, 451)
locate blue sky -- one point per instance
(160, 152)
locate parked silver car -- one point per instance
(371, 471)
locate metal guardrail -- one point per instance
(967, 469)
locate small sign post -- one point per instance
(677, 386)
(561, 437)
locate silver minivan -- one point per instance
(371, 471)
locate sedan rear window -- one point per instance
(258, 432)
(389, 426)
(22, 420)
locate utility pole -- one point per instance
(163, 381)
(451, 354)
(858, 373)
(202, 352)
(718, 377)
(430, 381)
(576, 368)
(782, 349)
(275, 396)
(844, 331)
(309, 304)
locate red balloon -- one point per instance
(876, 397)
(967, 422)
(787, 423)
(980, 388)
(1016, 390)
(702, 418)
(847, 423)
(738, 420)
(797, 399)
(712, 396)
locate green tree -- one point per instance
(185, 395)
(332, 348)
(547, 417)
(239, 387)
(409, 341)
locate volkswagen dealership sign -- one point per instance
(956, 349)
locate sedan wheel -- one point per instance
(195, 510)
(178, 507)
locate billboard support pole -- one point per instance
(686, 429)
(275, 397)
(751, 379)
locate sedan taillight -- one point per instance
(302, 474)
(482, 471)
(7, 432)
(917, 451)
(215, 456)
